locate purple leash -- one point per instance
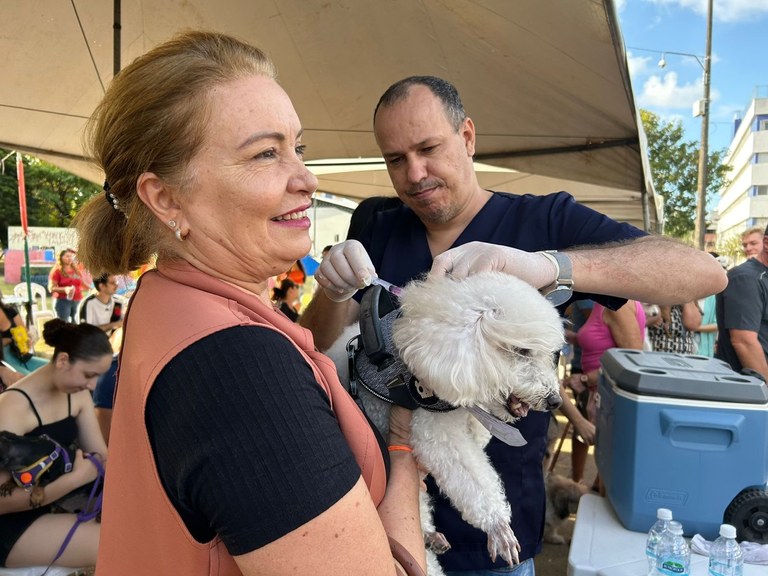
(91, 510)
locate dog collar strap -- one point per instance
(561, 290)
(29, 477)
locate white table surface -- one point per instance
(15, 300)
(601, 546)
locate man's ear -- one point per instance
(158, 197)
(468, 133)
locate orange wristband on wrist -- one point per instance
(399, 448)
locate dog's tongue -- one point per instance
(517, 407)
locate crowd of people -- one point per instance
(232, 442)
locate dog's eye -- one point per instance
(522, 352)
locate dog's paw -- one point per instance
(437, 542)
(503, 542)
(552, 537)
(7, 488)
(36, 497)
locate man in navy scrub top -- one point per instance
(448, 223)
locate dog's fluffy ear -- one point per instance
(473, 326)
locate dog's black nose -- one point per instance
(554, 401)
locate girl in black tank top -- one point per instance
(55, 400)
(64, 431)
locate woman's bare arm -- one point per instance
(88, 429)
(351, 536)
(691, 316)
(624, 327)
(348, 538)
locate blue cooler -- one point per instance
(681, 432)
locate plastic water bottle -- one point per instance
(663, 516)
(725, 555)
(673, 553)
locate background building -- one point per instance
(744, 201)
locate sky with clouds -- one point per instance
(739, 59)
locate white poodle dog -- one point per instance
(480, 347)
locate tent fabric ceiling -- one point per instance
(545, 81)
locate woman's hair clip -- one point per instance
(111, 198)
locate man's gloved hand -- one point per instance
(345, 269)
(474, 257)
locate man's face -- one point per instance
(429, 162)
(110, 286)
(752, 244)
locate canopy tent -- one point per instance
(545, 81)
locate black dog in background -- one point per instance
(19, 453)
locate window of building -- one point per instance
(761, 158)
(760, 190)
(762, 122)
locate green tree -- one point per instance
(675, 168)
(731, 246)
(53, 195)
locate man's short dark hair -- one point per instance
(443, 89)
(103, 279)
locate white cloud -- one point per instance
(638, 65)
(723, 10)
(665, 92)
(664, 95)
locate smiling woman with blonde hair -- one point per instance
(233, 447)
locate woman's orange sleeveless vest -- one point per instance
(174, 306)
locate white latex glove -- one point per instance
(345, 269)
(474, 257)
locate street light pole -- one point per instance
(700, 227)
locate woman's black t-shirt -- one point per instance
(246, 443)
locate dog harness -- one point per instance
(29, 477)
(374, 362)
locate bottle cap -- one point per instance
(727, 531)
(675, 527)
(664, 514)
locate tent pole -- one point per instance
(116, 31)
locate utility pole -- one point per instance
(700, 228)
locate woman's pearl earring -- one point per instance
(176, 230)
